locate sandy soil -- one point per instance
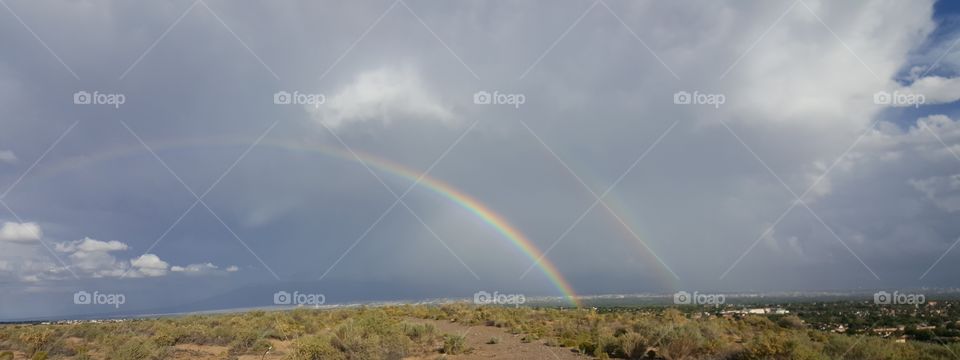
(509, 346)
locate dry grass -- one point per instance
(382, 333)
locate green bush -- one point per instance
(766, 346)
(136, 348)
(314, 348)
(243, 342)
(454, 345)
(355, 341)
(421, 333)
(682, 342)
(35, 339)
(374, 335)
(633, 345)
(382, 333)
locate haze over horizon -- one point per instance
(187, 151)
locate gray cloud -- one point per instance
(7, 156)
(799, 91)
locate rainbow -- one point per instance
(474, 206)
(620, 214)
(621, 217)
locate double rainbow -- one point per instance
(471, 204)
(478, 209)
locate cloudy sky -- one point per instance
(175, 151)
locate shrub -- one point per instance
(633, 345)
(314, 348)
(610, 346)
(166, 337)
(681, 342)
(420, 333)
(34, 340)
(587, 347)
(136, 348)
(244, 342)
(454, 345)
(286, 329)
(395, 345)
(373, 335)
(246, 345)
(765, 346)
(351, 339)
(380, 333)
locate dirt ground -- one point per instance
(509, 346)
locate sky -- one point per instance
(202, 151)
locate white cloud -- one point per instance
(91, 245)
(799, 73)
(203, 269)
(944, 191)
(382, 95)
(86, 258)
(921, 141)
(889, 188)
(799, 97)
(149, 265)
(92, 257)
(195, 268)
(20, 232)
(7, 156)
(934, 89)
